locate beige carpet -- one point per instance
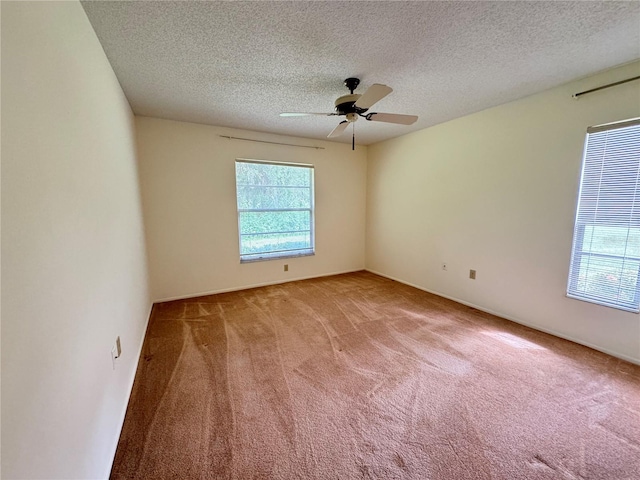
(356, 377)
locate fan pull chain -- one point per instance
(353, 138)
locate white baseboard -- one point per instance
(131, 380)
(516, 320)
(254, 285)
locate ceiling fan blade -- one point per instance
(339, 130)
(374, 93)
(392, 118)
(305, 114)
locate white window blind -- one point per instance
(275, 209)
(605, 258)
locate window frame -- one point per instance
(278, 254)
(578, 252)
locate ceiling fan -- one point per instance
(355, 105)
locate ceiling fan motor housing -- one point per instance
(346, 104)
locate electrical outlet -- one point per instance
(286, 268)
(472, 274)
(444, 267)
(116, 351)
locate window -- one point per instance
(275, 209)
(605, 259)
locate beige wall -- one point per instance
(496, 192)
(188, 186)
(73, 261)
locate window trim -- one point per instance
(274, 255)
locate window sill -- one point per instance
(603, 304)
(275, 257)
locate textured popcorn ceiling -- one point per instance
(239, 64)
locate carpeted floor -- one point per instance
(355, 377)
